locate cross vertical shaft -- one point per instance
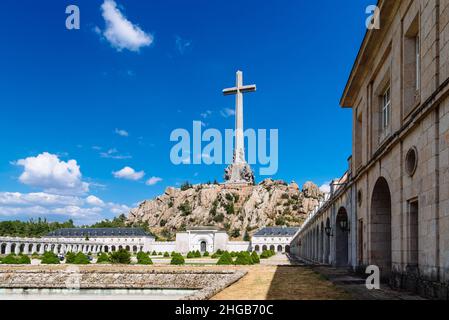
(238, 90)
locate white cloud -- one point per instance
(183, 45)
(122, 133)
(227, 112)
(326, 187)
(120, 32)
(206, 114)
(129, 173)
(153, 180)
(113, 154)
(94, 201)
(46, 171)
(82, 210)
(38, 198)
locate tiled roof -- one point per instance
(277, 232)
(99, 232)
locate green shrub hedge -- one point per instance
(103, 258)
(49, 258)
(121, 256)
(243, 258)
(177, 259)
(225, 259)
(255, 257)
(143, 258)
(13, 259)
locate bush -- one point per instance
(190, 255)
(154, 253)
(49, 258)
(255, 257)
(173, 253)
(267, 254)
(186, 186)
(197, 254)
(243, 258)
(177, 260)
(235, 233)
(220, 252)
(205, 254)
(185, 208)
(121, 256)
(166, 255)
(143, 258)
(225, 259)
(215, 256)
(219, 217)
(81, 258)
(103, 258)
(35, 255)
(70, 257)
(13, 259)
(233, 254)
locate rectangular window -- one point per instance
(417, 64)
(386, 109)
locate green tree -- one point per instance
(70, 257)
(177, 260)
(166, 255)
(49, 258)
(81, 258)
(243, 258)
(255, 257)
(121, 256)
(225, 259)
(197, 254)
(103, 258)
(205, 254)
(143, 258)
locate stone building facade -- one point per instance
(277, 239)
(96, 240)
(391, 209)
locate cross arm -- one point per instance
(250, 88)
(230, 91)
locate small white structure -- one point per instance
(277, 239)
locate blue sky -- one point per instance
(109, 94)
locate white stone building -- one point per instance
(95, 240)
(277, 239)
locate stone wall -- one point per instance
(208, 282)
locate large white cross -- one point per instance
(239, 90)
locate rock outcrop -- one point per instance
(239, 209)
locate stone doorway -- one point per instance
(380, 226)
(342, 236)
(203, 246)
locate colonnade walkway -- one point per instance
(352, 283)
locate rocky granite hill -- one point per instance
(241, 210)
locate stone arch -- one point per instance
(13, 248)
(264, 248)
(272, 247)
(3, 248)
(328, 241)
(342, 237)
(279, 248)
(380, 227)
(106, 249)
(287, 249)
(134, 249)
(128, 248)
(203, 246)
(22, 248)
(113, 248)
(30, 248)
(322, 240)
(257, 248)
